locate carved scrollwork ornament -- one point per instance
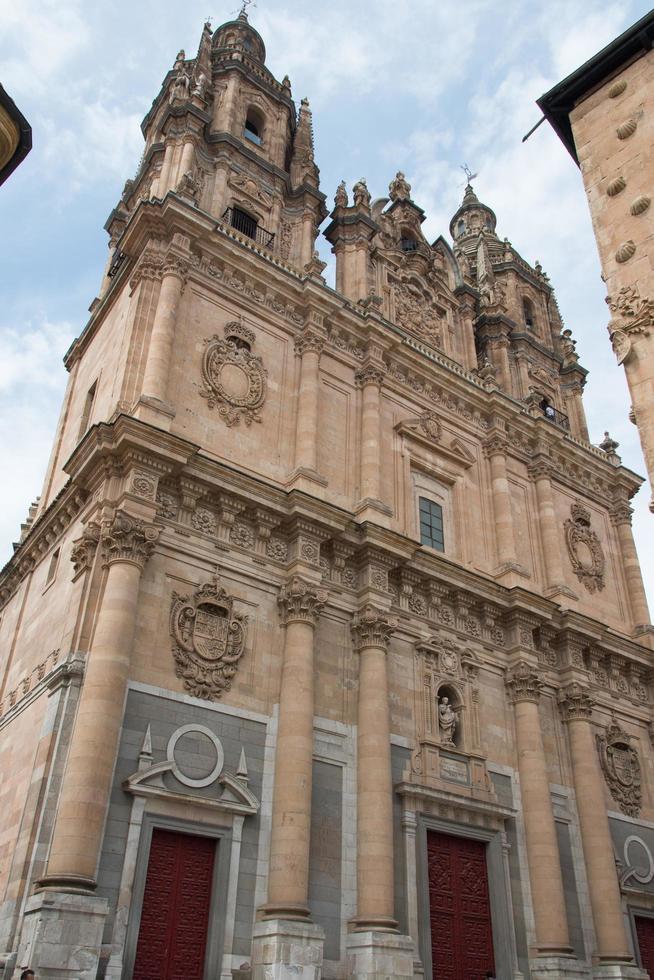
(208, 639)
(431, 426)
(234, 378)
(128, 539)
(584, 549)
(621, 767)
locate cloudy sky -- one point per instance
(417, 85)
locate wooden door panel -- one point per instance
(645, 934)
(175, 916)
(462, 941)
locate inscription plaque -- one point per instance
(454, 770)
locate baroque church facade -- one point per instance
(325, 650)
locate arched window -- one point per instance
(528, 313)
(253, 129)
(408, 244)
(460, 227)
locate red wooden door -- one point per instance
(175, 916)
(459, 908)
(645, 934)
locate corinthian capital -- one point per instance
(495, 444)
(370, 374)
(309, 342)
(539, 467)
(620, 512)
(301, 602)
(523, 683)
(128, 539)
(371, 628)
(176, 265)
(576, 702)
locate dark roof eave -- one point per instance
(557, 104)
(24, 138)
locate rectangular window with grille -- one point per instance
(431, 524)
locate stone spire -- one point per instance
(303, 165)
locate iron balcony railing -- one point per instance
(116, 262)
(248, 226)
(557, 418)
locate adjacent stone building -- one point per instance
(602, 112)
(325, 650)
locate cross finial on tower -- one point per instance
(468, 172)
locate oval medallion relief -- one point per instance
(234, 378)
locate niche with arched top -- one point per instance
(529, 313)
(449, 716)
(253, 128)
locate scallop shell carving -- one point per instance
(627, 129)
(625, 251)
(615, 186)
(640, 204)
(617, 89)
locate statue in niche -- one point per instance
(447, 721)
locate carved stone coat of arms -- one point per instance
(584, 548)
(621, 768)
(208, 640)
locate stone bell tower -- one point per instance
(519, 335)
(225, 134)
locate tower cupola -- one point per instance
(239, 35)
(472, 217)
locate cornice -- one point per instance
(46, 531)
(204, 504)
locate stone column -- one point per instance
(375, 950)
(467, 317)
(550, 530)
(127, 544)
(308, 237)
(288, 882)
(576, 709)
(523, 687)
(499, 349)
(574, 403)
(157, 368)
(163, 184)
(370, 379)
(495, 450)
(621, 519)
(187, 158)
(371, 632)
(309, 346)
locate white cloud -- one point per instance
(32, 383)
